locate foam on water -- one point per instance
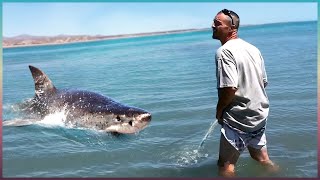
(55, 119)
(52, 120)
(189, 156)
(192, 155)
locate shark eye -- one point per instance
(118, 118)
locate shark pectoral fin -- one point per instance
(18, 122)
(43, 84)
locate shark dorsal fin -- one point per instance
(43, 84)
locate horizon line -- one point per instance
(150, 32)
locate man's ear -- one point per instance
(232, 28)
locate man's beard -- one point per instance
(213, 34)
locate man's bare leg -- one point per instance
(228, 156)
(227, 170)
(261, 155)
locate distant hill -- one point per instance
(29, 40)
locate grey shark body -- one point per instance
(84, 108)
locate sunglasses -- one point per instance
(228, 13)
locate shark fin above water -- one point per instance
(43, 84)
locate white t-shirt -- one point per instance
(240, 65)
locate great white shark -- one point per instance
(83, 108)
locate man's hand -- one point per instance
(226, 96)
(219, 117)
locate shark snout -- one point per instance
(146, 117)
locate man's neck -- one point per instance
(233, 36)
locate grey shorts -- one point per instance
(241, 141)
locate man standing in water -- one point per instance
(243, 105)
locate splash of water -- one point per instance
(54, 119)
(189, 156)
(192, 156)
(212, 126)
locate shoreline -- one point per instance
(86, 38)
(72, 39)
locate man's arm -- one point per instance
(226, 96)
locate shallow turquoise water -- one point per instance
(173, 77)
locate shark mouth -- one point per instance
(131, 127)
(126, 128)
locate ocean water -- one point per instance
(173, 77)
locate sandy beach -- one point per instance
(28, 40)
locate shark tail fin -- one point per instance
(43, 84)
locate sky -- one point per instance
(103, 18)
